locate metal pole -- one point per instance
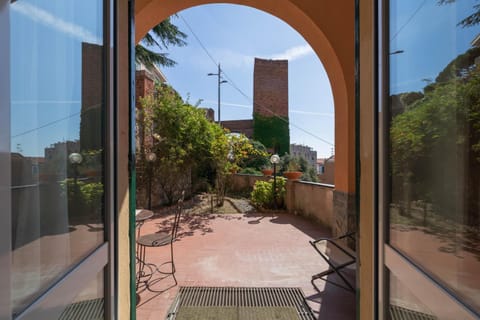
(150, 186)
(275, 186)
(219, 76)
(75, 174)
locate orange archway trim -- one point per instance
(328, 26)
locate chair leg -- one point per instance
(322, 276)
(154, 268)
(173, 263)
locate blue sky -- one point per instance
(46, 55)
(423, 30)
(46, 63)
(234, 35)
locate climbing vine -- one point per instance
(273, 132)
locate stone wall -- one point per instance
(332, 208)
(245, 182)
(308, 199)
(311, 200)
(345, 214)
(91, 126)
(270, 87)
(240, 126)
(144, 85)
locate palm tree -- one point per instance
(167, 34)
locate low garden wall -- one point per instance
(313, 200)
(244, 182)
(308, 199)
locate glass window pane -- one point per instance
(89, 304)
(435, 140)
(57, 140)
(404, 304)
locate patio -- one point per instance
(243, 250)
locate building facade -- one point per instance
(270, 107)
(306, 152)
(270, 104)
(326, 172)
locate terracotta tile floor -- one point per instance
(258, 250)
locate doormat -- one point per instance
(399, 313)
(239, 303)
(84, 310)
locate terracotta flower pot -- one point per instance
(267, 172)
(292, 175)
(92, 173)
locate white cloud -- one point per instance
(310, 113)
(48, 19)
(235, 60)
(295, 111)
(293, 53)
(245, 106)
(231, 59)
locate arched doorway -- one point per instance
(329, 29)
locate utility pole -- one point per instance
(220, 81)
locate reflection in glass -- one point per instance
(89, 303)
(56, 140)
(435, 140)
(404, 304)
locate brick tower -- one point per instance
(270, 104)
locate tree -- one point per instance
(435, 144)
(163, 35)
(257, 157)
(246, 153)
(309, 172)
(470, 20)
(183, 140)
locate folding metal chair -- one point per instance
(338, 255)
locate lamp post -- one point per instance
(220, 81)
(275, 159)
(75, 159)
(396, 52)
(150, 157)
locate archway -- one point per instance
(329, 29)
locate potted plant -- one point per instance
(293, 171)
(267, 170)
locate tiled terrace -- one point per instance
(243, 250)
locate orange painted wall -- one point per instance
(328, 26)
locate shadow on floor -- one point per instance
(334, 302)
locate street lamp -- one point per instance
(150, 157)
(396, 52)
(220, 81)
(275, 159)
(75, 159)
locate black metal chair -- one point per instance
(338, 256)
(158, 239)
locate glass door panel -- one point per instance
(434, 141)
(57, 140)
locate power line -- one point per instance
(232, 83)
(198, 39)
(275, 114)
(55, 121)
(46, 125)
(408, 20)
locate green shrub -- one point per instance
(250, 171)
(83, 198)
(92, 196)
(262, 194)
